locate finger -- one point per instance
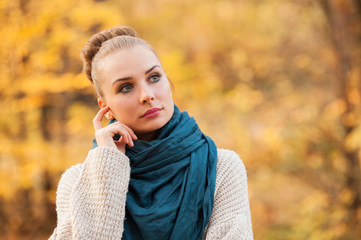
(97, 121)
(132, 134)
(131, 144)
(118, 128)
(129, 138)
(125, 139)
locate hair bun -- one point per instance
(103, 36)
(93, 45)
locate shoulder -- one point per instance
(230, 217)
(230, 170)
(228, 160)
(228, 157)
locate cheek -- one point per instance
(121, 109)
(166, 92)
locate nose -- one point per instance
(146, 94)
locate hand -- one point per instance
(104, 136)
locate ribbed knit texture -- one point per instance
(91, 198)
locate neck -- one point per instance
(150, 136)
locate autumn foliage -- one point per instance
(277, 81)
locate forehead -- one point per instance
(127, 62)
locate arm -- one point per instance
(231, 217)
(91, 198)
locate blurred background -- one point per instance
(277, 81)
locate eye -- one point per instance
(154, 77)
(125, 88)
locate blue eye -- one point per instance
(125, 88)
(154, 78)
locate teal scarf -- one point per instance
(172, 182)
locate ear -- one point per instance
(102, 104)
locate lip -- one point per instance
(151, 113)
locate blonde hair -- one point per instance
(104, 43)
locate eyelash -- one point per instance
(157, 75)
(123, 87)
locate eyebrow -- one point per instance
(150, 69)
(129, 78)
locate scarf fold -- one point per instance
(172, 182)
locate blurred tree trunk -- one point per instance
(344, 20)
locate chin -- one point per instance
(155, 126)
(152, 126)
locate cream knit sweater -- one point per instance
(90, 200)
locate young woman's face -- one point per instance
(136, 90)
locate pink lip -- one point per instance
(151, 113)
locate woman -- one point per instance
(152, 174)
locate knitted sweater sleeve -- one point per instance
(231, 217)
(91, 197)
